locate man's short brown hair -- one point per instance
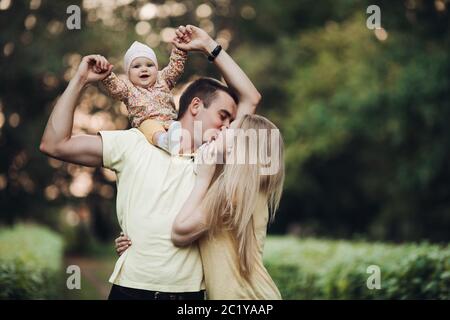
(206, 90)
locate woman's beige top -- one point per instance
(221, 264)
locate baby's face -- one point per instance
(142, 72)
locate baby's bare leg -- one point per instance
(152, 129)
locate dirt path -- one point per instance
(94, 276)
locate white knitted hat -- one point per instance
(138, 50)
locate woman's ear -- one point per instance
(195, 106)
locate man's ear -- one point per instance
(195, 106)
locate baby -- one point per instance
(147, 95)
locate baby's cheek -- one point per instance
(132, 77)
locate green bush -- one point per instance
(30, 262)
(325, 269)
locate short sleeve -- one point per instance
(116, 144)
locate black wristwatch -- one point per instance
(214, 53)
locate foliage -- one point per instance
(326, 269)
(363, 112)
(30, 262)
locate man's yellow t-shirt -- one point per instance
(152, 187)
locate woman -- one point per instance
(229, 209)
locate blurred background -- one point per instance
(364, 115)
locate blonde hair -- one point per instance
(233, 195)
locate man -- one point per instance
(151, 185)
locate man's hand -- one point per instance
(122, 243)
(191, 38)
(93, 68)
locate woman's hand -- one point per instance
(191, 38)
(93, 68)
(206, 161)
(122, 243)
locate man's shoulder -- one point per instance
(124, 146)
(121, 139)
(135, 132)
(132, 133)
(132, 138)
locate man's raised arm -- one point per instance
(57, 140)
(197, 39)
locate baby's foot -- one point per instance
(162, 141)
(170, 141)
(174, 138)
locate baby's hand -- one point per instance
(181, 40)
(184, 34)
(191, 38)
(101, 65)
(94, 68)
